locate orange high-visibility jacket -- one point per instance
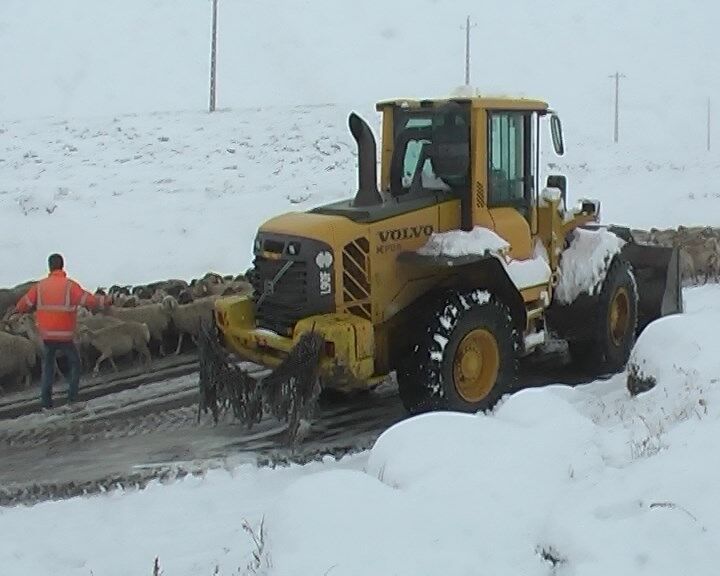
(56, 299)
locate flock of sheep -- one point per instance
(144, 322)
(698, 248)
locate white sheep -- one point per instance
(98, 321)
(17, 358)
(117, 340)
(24, 325)
(688, 270)
(158, 296)
(700, 255)
(157, 317)
(187, 318)
(712, 262)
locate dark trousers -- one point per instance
(50, 351)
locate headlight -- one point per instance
(293, 248)
(258, 244)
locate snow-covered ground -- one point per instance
(586, 477)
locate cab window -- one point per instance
(509, 159)
(426, 142)
(429, 179)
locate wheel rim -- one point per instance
(619, 316)
(476, 365)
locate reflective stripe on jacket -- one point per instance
(56, 299)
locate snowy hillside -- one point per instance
(135, 198)
(106, 151)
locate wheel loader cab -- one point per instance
(430, 152)
(483, 152)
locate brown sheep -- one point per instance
(18, 357)
(10, 296)
(172, 287)
(662, 237)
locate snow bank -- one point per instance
(545, 476)
(676, 348)
(193, 525)
(587, 478)
(674, 356)
(584, 264)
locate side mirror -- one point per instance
(557, 135)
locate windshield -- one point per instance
(431, 149)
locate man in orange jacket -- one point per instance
(56, 300)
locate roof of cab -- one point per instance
(490, 102)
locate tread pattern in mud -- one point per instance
(35, 492)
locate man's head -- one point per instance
(55, 262)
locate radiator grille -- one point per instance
(287, 303)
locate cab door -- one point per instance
(511, 177)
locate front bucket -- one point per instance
(657, 272)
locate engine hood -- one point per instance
(319, 227)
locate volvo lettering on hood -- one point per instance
(408, 233)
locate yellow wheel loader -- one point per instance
(347, 293)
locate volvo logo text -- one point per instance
(408, 233)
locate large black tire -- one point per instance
(474, 326)
(614, 323)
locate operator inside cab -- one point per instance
(431, 151)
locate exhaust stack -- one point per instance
(367, 194)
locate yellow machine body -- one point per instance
(342, 269)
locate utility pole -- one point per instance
(617, 77)
(708, 124)
(213, 55)
(467, 50)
